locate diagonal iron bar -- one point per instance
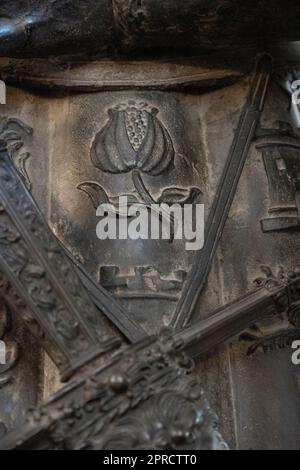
(225, 193)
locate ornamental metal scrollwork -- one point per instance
(15, 133)
(34, 262)
(176, 418)
(130, 400)
(283, 328)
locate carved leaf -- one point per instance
(179, 195)
(20, 161)
(16, 133)
(98, 195)
(280, 340)
(95, 192)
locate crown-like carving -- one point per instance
(143, 282)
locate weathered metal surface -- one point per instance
(161, 129)
(142, 27)
(124, 404)
(65, 202)
(264, 383)
(86, 76)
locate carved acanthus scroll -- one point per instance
(44, 278)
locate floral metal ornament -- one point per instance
(135, 140)
(173, 419)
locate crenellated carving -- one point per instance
(144, 282)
